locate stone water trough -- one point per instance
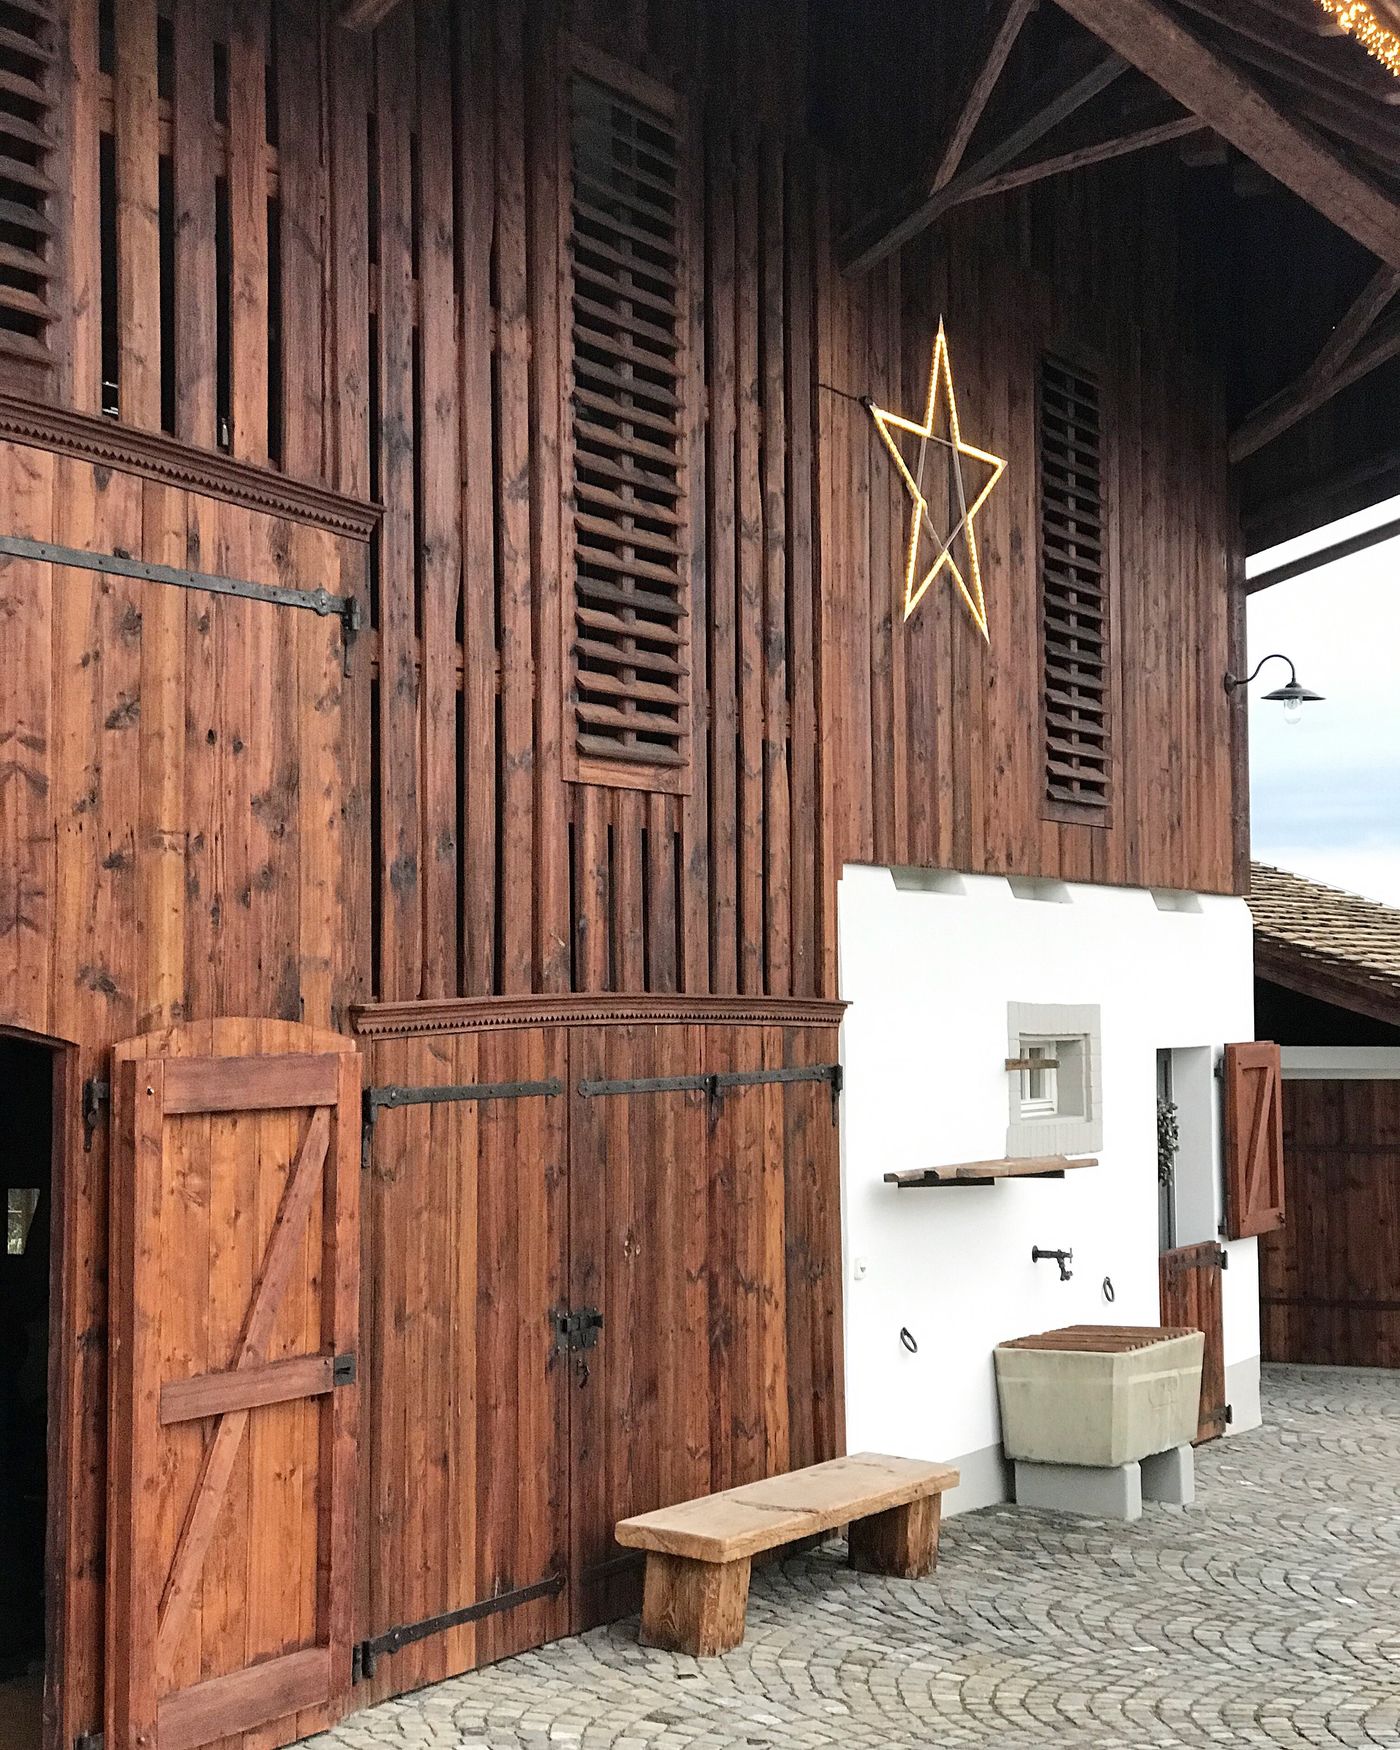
(1098, 1417)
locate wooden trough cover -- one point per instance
(1101, 1339)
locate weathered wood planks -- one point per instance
(385, 304)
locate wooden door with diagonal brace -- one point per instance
(234, 1213)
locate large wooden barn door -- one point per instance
(1330, 1280)
(704, 1313)
(1192, 1294)
(465, 1422)
(234, 1261)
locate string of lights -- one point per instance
(1358, 20)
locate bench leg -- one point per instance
(902, 1542)
(694, 1607)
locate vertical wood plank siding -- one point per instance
(394, 320)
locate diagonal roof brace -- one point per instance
(1146, 34)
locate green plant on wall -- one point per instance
(1168, 1138)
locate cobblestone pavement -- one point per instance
(1269, 1613)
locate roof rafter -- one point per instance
(1342, 360)
(365, 15)
(1003, 28)
(1201, 80)
(920, 206)
(1100, 152)
(1282, 44)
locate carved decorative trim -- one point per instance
(157, 456)
(490, 1014)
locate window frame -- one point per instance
(1074, 1033)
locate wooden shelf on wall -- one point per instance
(989, 1172)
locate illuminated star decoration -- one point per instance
(969, 581)
(1357, 19)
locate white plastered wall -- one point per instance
(928, 968)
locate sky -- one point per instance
(1325, 792)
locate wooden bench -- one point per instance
(699, 1552)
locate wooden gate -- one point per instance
(235, 1191)
(705, 1248)
(1330, 1281)
(1191, 1295)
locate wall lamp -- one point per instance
(1291, 695)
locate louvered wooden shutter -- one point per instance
(630, 632)
(1254, 1196)
(1074, 594)
(28, 53)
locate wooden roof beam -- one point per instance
(1342, 361)
(1100, 152)
(1245, 23)
(920, 207)
(1145, 34)
(1328, 555)
(365, 15)
(1003, 27)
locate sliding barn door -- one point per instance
(234, 1199)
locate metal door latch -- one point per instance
(96, 1095)
(577, 1330)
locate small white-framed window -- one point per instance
(1053, 1098)
(1039, 1079)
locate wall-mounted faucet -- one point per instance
(1063, 1259)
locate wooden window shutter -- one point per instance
(1074, 592)
(1253, 1139)
(28, 55)
(628, 631)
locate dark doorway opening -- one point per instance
(27, 1071)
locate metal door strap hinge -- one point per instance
(96, 1097)
(368, 1653)
(577, 1330)
(343, 1370)
(390, 1097)
(718, 1083)
(346, 609)
(88, 1741)
(1224, 1259)
(1229, 1414)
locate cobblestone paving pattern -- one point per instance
(1268, 1613)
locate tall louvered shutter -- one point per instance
(28, 52)
(630, 632)
(1074, 594)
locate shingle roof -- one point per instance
(1356, 940)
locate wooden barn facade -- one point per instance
(451, 646)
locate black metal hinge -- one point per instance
(718, 1083)
(96, 1099)
(577, 1330)
(367, 1653)
(1229, 1414)
(346, 609)
(88, 1741)
(343, 1370)
(390, 1097)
